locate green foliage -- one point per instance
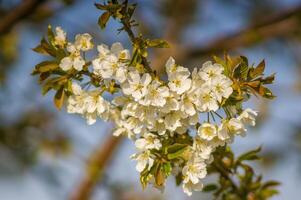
(236, 179)
(247, 80)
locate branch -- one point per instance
(224, 174)
(95, 168)
(281, 24)
(26, 8)
(133, 38)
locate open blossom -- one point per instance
(189, 187)
(248, 116)
(203, 148)
(110, 62)
(148, 141)
(90, 104)
(60, 37)
(221, 87)
(156, 94)
(172, 120)
(207, 131)
(178, 77)
(76, 102)
(230, 127)
(83, 42)
(210, 71)
(180, 82)
(207, 101)
(194, 170)
(74, 60)
(136, 85)
(143, 159)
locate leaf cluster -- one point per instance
(173, 151)
(247, 79)
(237, 179)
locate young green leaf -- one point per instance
(157, 43)
(103, 19)
(59, 98)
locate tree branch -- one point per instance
(26, 8)
(133, 38)
(95, 168)
(281, 24)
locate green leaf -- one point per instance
(50, 35)
(48, 48)
(241, 71)
(269, 79)
(167, 168)
(100, 6)
(157, 43)
(250, 155)
(270, 184)
(258, 71)
(44, 76)
(103, 19)
(268, 193)
(50, 84)
(131, 9)
(159, 176)
(59, 98)
(265, 92)
(210, 188)
(144, 176)
(179, 178)
(245, 60)
(175, 150)
(45, 66)
(40, 49)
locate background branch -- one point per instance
(98, 160)
(276, 25)
(26, 8)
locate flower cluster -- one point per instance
(176, 121)
(149, 110)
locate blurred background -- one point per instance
(50, 155)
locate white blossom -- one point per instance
(230, 127)
(156, 94)
(207, 102)
(83, 42)
(143, 159)
(110, 63)
(248, 116)
(207, 131)
(60, 37)
(194, 170)
(74, 60)
(178, 77)
(136, 85)
(148, 141)
(189, 187)
(210, 70)
(221, 87)
(172, 120)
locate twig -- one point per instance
(226, 176)
(133, 38)
(26, 8)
